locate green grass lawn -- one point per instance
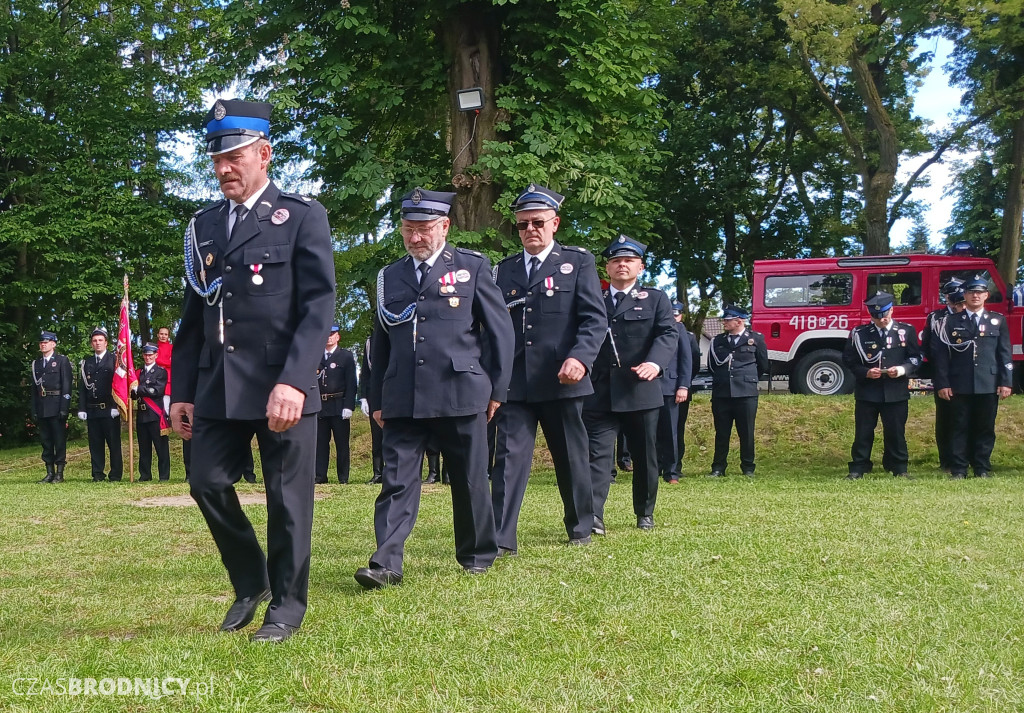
(795, 591)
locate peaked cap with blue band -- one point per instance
(881, 303)
(232, 123)
(734, 312)
(625, 246)
(335, 329)
(46, 336)
(99, 331)
(537, 198)
(976, 284)
(150, 348)
(954, 291)
(421, 204)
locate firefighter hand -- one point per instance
(378, 419)
(346, 413)
(114, 413)
(1003, 391)
(365, 406)
(894, 372)
(874, 373)
(82, 415)
(648, 371)
(167, 403)
(284, 407)
(492, 406)
(572, 371)
(181, 427)
(681, 395)
(945, 394)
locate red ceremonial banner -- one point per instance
(125, 378)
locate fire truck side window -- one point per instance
(994, 295)
(905, 286)
(808, 290)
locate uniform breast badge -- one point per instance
(453, 301)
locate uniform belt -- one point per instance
(99, 404)
(336, 394)
(51, 392)
(143, 406)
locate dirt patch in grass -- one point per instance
(184, 501)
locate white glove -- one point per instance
(167, 404)
(365, 405)
(114, 413)
(82, 415)
(346, 413)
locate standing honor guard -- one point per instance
(151, 420)
(640, 341)
(973, 372)
(882, 356)
(675, 389)
(953, 291)
(738, 358)
(51, 401)
(261, 271)
(553, 295)
(376, 432)
(97, 408)
(337, 378)
(442, 357)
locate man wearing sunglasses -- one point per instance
(553, 294)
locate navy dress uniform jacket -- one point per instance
(95, 387)
(978, 359)
(337, 379)
(437, 364)
(51, 391)
(900, 349)
(276, 334)
(152, 384)
(679, 373)
(737, 376)
(549, 329)
(641, 329)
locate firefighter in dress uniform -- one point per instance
(433, 377)
(953, 292)
(882, 355)
(337, 378)
(376, 432)
(973, 372)
(738, 358)
(151, 421)
(97, 408)
(675, 389)
(260, 267)
(51, 401)
(640, 342)
(553, 294)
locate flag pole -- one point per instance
(128, 406)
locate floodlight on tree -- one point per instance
(470, 99)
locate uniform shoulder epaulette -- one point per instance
(756, 334)
(208, 207)
(467, 251)
(298, 197)
(513, 256)
(577, 248)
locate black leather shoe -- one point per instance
(377, 479)
(475, 570)
(377, 577)
(958, 476)
(507, 552)
(243, 610)
(748, 473)
(855, 476)
(580, 541)
(626, 466)
(598, 528)
(319, 481)
(59, 477)
(274, 632)
(645, 523)
(716, 474)
(982, 474)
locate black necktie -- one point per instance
(617, 298)
(534, 266)
(734, 339)
(424, 268)
(240, 212)
(977, 320)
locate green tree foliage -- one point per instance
(369, 91)
(89, 97)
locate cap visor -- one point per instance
(223, 144)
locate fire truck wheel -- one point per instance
(823, 373)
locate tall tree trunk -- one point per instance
(1013, 208)
(471, 37)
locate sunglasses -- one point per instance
(536, 223)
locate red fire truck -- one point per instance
(806, 308)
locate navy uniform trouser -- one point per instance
(974, 432)
(741, 411)
(150, 439)
(219, 450)
(105, 434)
(463, 443)
(515, 439)
(894, 425)
(339, 428)
(943, 429)
(53, 435)
(640, 429)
